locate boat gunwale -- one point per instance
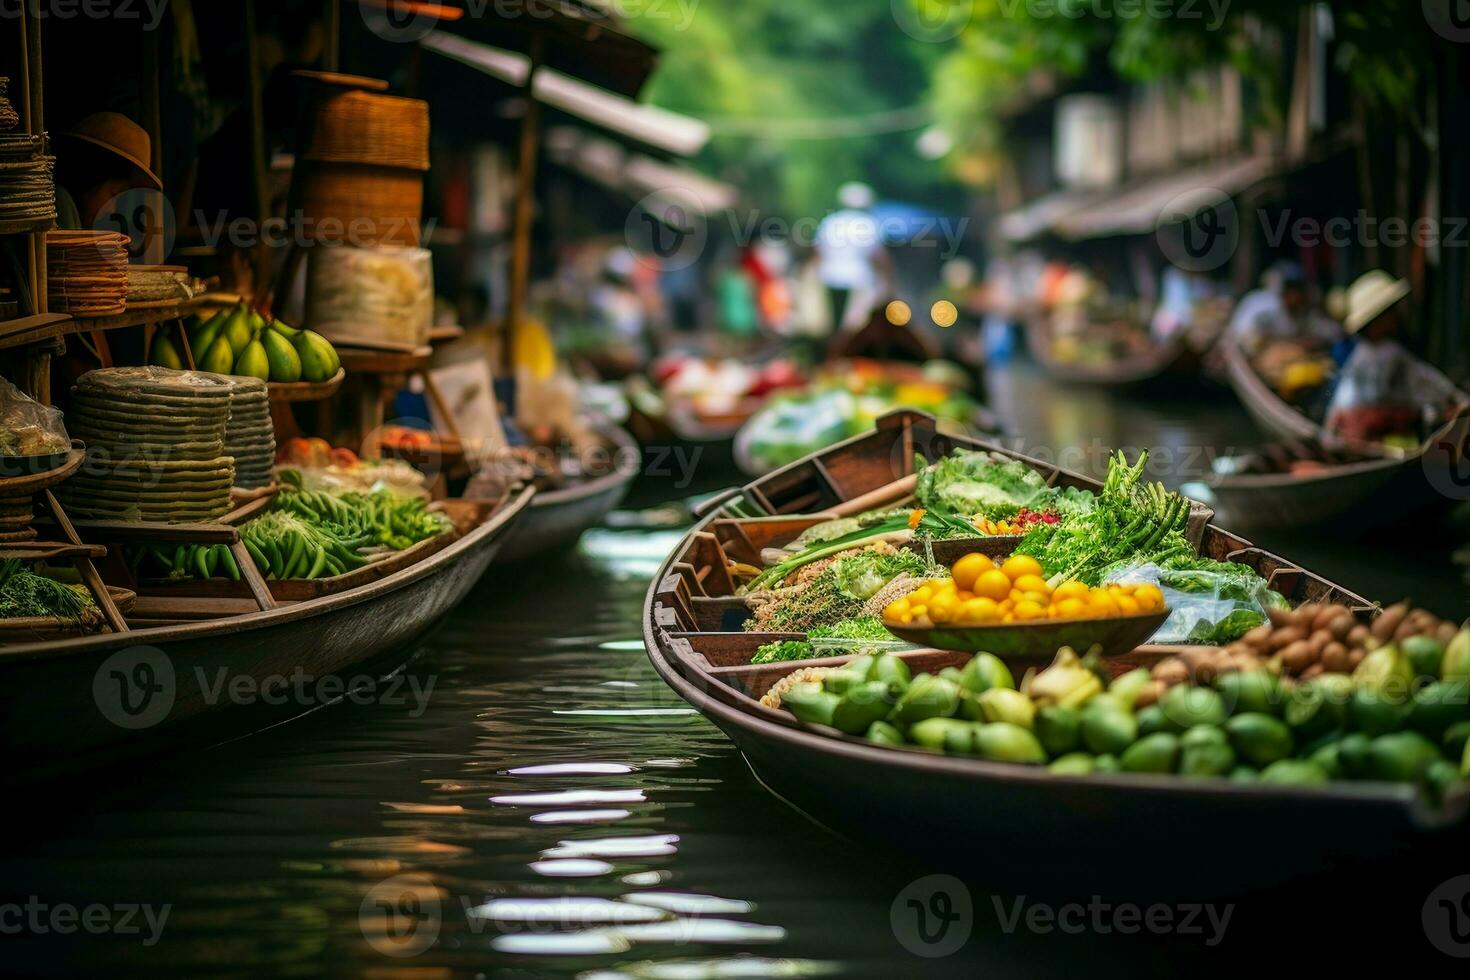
(621, 476)
(283, 614)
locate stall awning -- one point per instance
(637, 175)
(651, 126)
(1041, 215)
(581, 38)
(1136, 211)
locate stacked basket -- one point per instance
(87, 272)
(250, 436)
(155, 445)
(27, 184)
(361, 179)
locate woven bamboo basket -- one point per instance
(371, 129)
(361, 205)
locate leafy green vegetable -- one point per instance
(843, 526)
(1130, 520)
(782, 651)
(25, 595)
(982, 485)
(826, 600)
(859, 629)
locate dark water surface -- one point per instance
(551, 809)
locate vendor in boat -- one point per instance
(1384, 390)
(1285, 316)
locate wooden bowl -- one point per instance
(32, 465)
(1038, 640)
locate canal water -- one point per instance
(533, 801)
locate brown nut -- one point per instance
(1335, 658)
(1358, 635)
(1260, 636)
(1284, 638)
(1355, 657)
(1342, 624)
(1149, 694)
(1325, 618)
(1282, 618)
(1171, 671)
(1388, 622)
(1297, 657)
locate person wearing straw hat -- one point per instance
(1384, 391)
(102, 156)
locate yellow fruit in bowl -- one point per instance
(993, 585)
(979, 612)
(942, 608)
(1017, 566)
(1070, 608)
(1071, 590)
(922, 594)
(1103, 605)
(1042, 599)
(1028, 611)
(1033, 583)
(1150, 598)
(1128, 606)
(968, 570)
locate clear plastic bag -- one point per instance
(787, 430)
(1207, 606)
(28, 428)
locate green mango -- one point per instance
(1205, 751)
(1156, 753)
(1107, 729)
(285, 363)
(1059, 730)
(1319, 705)
(1244, 774)
(926, 697)
(1004, 742)
(1385, 672)
(955, 676)
(1378, 713)
(253, 362)
(1152, 719)
(164, 354)
(862, 705)
(1442, 777)
(1003, 704)
(219, 359)
(882, 733)
(1106, 763)
(257, 323)
(290, 333)
(1259, 739)
(1127, 687)
(935, 733)
(811, 704)
(1400, 757)
(1456, 663)
(1073, 764)
(853, 674)
(1438, 706)
(319, 360)
(1293, 772)
(1455, 738)
(1186, 705)
(1329, 759)
(1426, 655)
(237, 329)
(1251, 691)
(891, 670)
(1352, 755)
(986, 671)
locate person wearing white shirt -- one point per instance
(849, 248)
(1384, 390)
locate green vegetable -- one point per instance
(1058, 729)
(1107, 729)
(862, 705)
(1001, 704)
(1073, 764)
(1294, 772)
(1186, 705)
(1259, 739)
(1205, 751)
(26, 595)
(1157, 753)
(885, 734)
(986, 671)
(1400, 757)
(1438, 706)
(1251, 690)
(1426, 655)
(927, 697)
(810, 703)
(1003, 742)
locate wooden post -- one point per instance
(38, 358)
(258, 161)
(153, 122)
(524, 214)
(332, 30)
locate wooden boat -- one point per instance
(1168, 360)
(1380, 487)
(557, 518)
(1017, 824)
(1271, 413)
(85, 703)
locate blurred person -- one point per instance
(1264, 300)
(1292, 319)
(737, 291)
(1384, 390)
(849, 250)
(616, 305)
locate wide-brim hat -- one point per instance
(1374, 294)
(120, 136)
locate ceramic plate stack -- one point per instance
(155, 445)
(250, 436)
(87, 272)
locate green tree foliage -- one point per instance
(759, 70)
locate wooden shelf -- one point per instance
(51, 550)
(52, 326)
(369, 360)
